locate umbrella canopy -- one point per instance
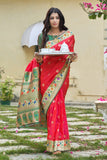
(30, 36)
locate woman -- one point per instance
(45, 84)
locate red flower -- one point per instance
(32, 90)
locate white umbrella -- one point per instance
(30, 36)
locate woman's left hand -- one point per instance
(73, 57)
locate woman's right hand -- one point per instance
(73, 57)
(39, 58)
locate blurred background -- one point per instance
(88, 78)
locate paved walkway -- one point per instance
(87, 130)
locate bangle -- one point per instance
(35, 53)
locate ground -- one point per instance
(87, 129)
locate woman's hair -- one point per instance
(47, 26)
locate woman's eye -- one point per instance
(54, 17)
(51, 17)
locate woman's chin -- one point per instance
(55, 26)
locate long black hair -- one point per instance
(47, 26)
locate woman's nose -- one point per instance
(55, 19)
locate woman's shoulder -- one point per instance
(69, 32)
(40, 36)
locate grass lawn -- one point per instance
(33, 147)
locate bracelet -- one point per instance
(34, 53)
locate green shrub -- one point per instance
(6, 89)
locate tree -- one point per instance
(100, 10)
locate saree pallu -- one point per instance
(43, 91)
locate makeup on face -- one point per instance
(54, 20)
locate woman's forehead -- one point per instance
(54, 15)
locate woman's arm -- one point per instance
(73, 57)
(38, 57)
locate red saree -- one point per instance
(48, 109)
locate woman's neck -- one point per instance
(54, 31)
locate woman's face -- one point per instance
(54, 20)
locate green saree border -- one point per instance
(58, 145)
(36, 125)
(58, 39)
(55, 86)
(28, 113)
(29, 110)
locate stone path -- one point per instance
(30, 134)
(2, 122)
(78, 123)
(11, 148)
(21, 129)
(91, 137)
(87, 130)
(30, 156)
(89, 153)
(2, 141)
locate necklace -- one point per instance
(56, 34)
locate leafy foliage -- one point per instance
(103, 1)
(1, 72)
(6, 89)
